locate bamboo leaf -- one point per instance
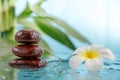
(45, 45)
(46, 54)
(47, 50)
(55, 33)
(27, 11)
(38, 10)
(70, 30)
(28, 24)
(40, 2)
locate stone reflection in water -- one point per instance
(30, 74)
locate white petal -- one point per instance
(107, 54)
(96, 47)
(94, 65)
(79, 50)
(75, 61)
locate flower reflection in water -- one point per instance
(87, 76)
(93, 76)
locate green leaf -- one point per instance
(71, 31)
(28, 24)
(54, 32)
(47, 50)
(27, 11)
(46, 54)
(45, 46)
(41, 13)
(38, 10)
(40, 2)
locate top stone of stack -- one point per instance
(28, 36)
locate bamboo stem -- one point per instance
(1, 12)
(3, 15)
(3, 20)
(13, 18)
(7, 15)
(13, 13)
(7, 18)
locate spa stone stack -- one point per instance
(27, 50)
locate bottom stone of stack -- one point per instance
(21, 63)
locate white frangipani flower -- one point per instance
(92, 55)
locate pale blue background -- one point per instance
(97, 20)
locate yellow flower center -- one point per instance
(90, 54)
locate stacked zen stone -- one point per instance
(27, 50)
